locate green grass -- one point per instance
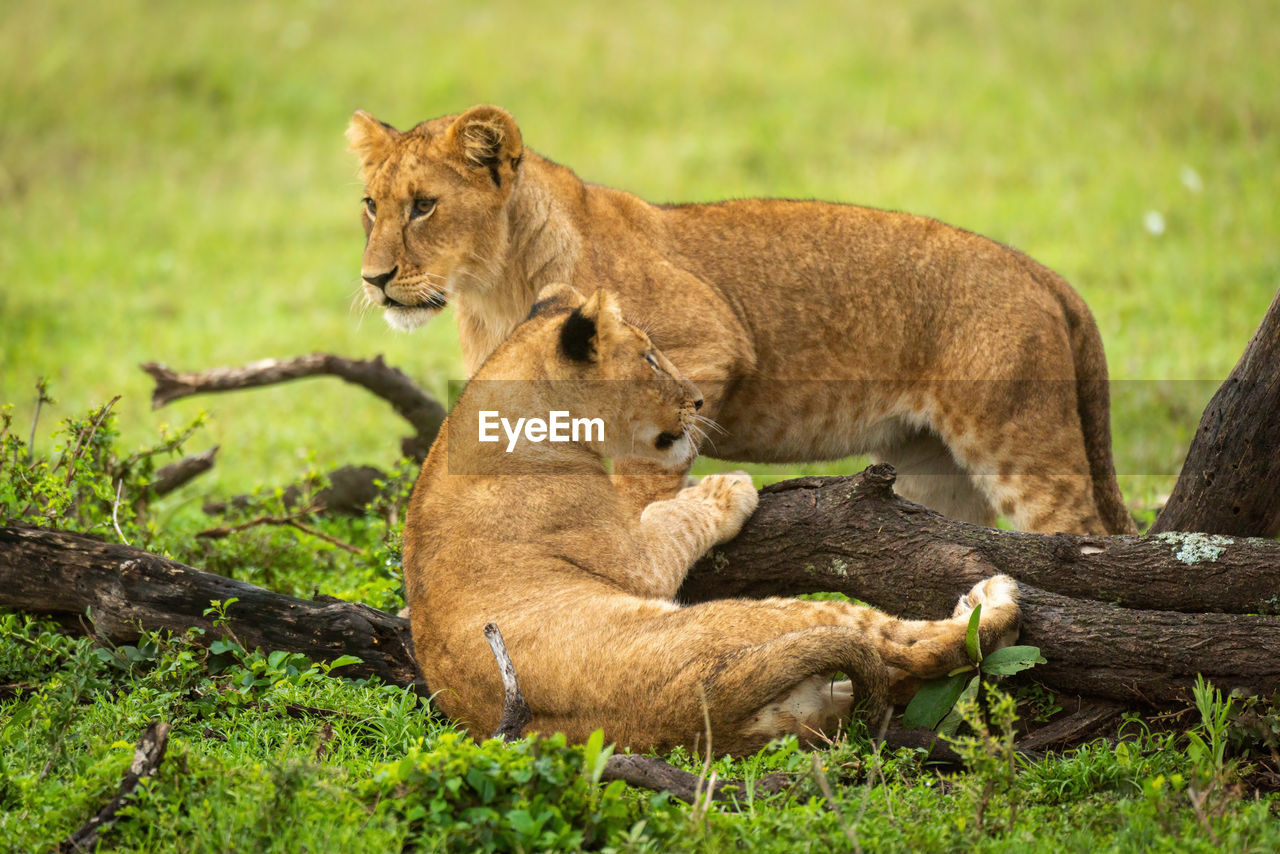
(298, 760)
(174, 185)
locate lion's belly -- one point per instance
(785, 421)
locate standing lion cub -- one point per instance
(815, 330)
(532, 534)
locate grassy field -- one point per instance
(174, 187)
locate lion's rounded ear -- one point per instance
(370, 139)
(486, 137)
(602, 306)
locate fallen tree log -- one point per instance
(1117, 617)
(123, 589)
(854, 535)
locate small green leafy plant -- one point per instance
(933, 706)
(535, 794)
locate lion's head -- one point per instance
(579, 355)
(432, 210)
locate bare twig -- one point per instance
(516, 713)
(648, 772)
(147, 757)
(115, 512)
(706, 783)
(413, 404)
(42, 397)
(286, 521)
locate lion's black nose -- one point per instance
(380, 281)
(697, 404)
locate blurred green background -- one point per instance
(174, 184)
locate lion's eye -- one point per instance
(371, 207)
(422, 207)
(653, 363)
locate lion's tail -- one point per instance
(749, 678)
(1093, 402)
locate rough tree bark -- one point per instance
(1230, 482)
(124, 589)
(1117, 617)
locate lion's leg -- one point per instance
(928, 474)
(1031, 463)
(916, 650)
(641, 482)
(678, 531)
(769, 634)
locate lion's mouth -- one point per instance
(435, 301)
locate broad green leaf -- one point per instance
(596, 755)
(932, 702)
(971, 642)
(951, 723)
(344, 660)
(1011, 659)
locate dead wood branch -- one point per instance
(516, 714)
(285, 521)
(127, 589)
(351, 489)
(146, 761)
(647, 772)
(1127, 618)
(1229, 482)
(1117, 617)
(413, 404)
(176, 474)
(854, 535)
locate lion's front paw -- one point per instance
(998, 596)
(995, 591)
(733, 494)
(733, 491)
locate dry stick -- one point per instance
(289, 521)
(516, 714)
(706, 784)
(42, 397)
(115, 512)
(413, 404)
(176, 474)
(147, 757)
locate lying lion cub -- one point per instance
(533, 535)
(815, 330)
